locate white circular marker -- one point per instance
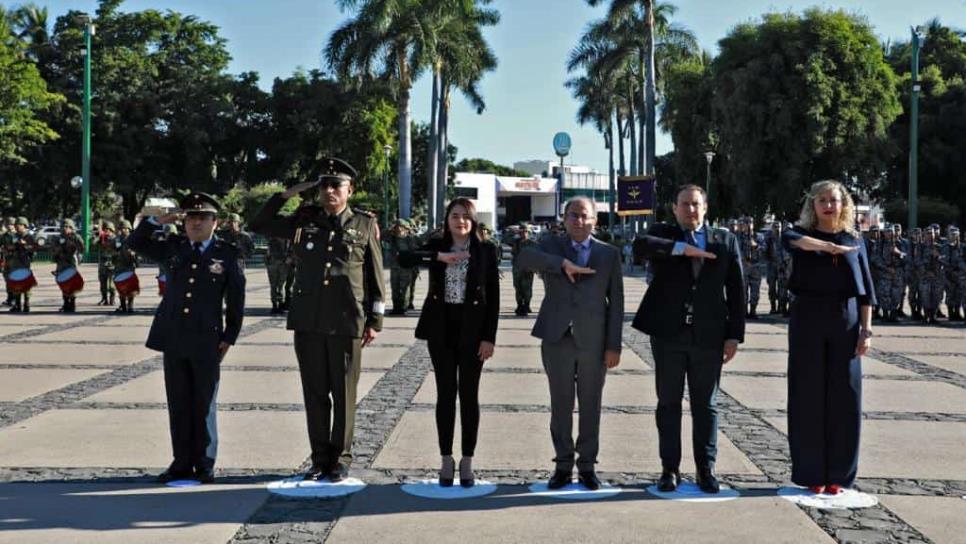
(845, 499)
(309, 245)
(183, 483)
(430, 489)
(296, 487)
(689, 492)
(574, 491)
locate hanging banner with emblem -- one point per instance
(635, 195)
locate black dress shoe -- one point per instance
(707, 481)
(560, 478)
(173, 474)
(670, 480)
(589, 479)
(205, 475)
(338, 473)
(315, 474)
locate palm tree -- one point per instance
(388, 39)
(30, 25)
(641, 30)
(598, 106)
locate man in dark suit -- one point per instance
(191, 328)
(580, 323)
(694, 311)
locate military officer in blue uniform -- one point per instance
(191, 328)
(336, 309)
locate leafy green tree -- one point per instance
(799, 98)
(484, 166)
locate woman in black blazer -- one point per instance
(829, 331)
(458, 321)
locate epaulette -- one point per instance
(364, 212)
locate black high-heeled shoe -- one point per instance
(466, 472)
(446, 471)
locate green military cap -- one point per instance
(23, 221)
(170, 229)
(125, 224)
(10, 221)
(336, 168)
(199, 203)
(234, 217)
(402, 222)
(108, 225)
(68, 223)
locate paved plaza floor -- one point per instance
(83, 430)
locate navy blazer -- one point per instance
(858, 262)
(717, 294)
(190, 315)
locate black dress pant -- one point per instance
(677, 359)
(824, 391)
(457, 370)
(191, 386)
(329, 366)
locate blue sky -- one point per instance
(526, 100)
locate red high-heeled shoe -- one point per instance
(817, 489)
(833, 489)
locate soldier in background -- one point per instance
(126, 261)
(955, 274)
(277, 265)
(164, 270)
(752, 247)
(889, 263)
(8, 227)
(400, 238)
(18, 248)
(522, 278)
(106, 255)
(912, 273)
(773, 249)
(929, 268)
(903, 244)
(872, 239)
(234, 235)
(64, 251)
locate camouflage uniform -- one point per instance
(889, 265)
(277, 265)
(106, 254)
(401, 279)
(872, 238)
(64, 252)
(126, 261)
(522, 278)
(18, 249)
(752, 247)
(240, 239)
(955, 274)
(929, 267)
(912, 273)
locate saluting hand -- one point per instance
(169, 218)
(836, 249)
(693, 251)
(452, 257)
(572, 270)
(296, 189)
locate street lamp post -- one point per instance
(917, 38)
(86, 140)
(708, 156)
(385, 189)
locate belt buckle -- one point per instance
(689, 319)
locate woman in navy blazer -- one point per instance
(458, 322)
(829, 331)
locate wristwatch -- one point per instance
(866, 333)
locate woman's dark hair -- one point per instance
(471, 209)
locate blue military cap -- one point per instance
(199, 203)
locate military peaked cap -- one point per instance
(336, 168)
(199, 203)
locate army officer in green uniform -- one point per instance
(336, 309)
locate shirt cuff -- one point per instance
(153, 220)
(678, 248)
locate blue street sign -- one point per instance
(561, 144)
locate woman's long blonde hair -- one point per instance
(846, 220)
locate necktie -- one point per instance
(695, 263)
(582, 255)
(197, 250)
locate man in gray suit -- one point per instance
(580, 324)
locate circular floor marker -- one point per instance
(847, 498)
(296, 487)
(574, 491)
(430, 489)
(689, 492)
(183, 483)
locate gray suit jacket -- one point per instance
(594, 305)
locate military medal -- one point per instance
(216, 267)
